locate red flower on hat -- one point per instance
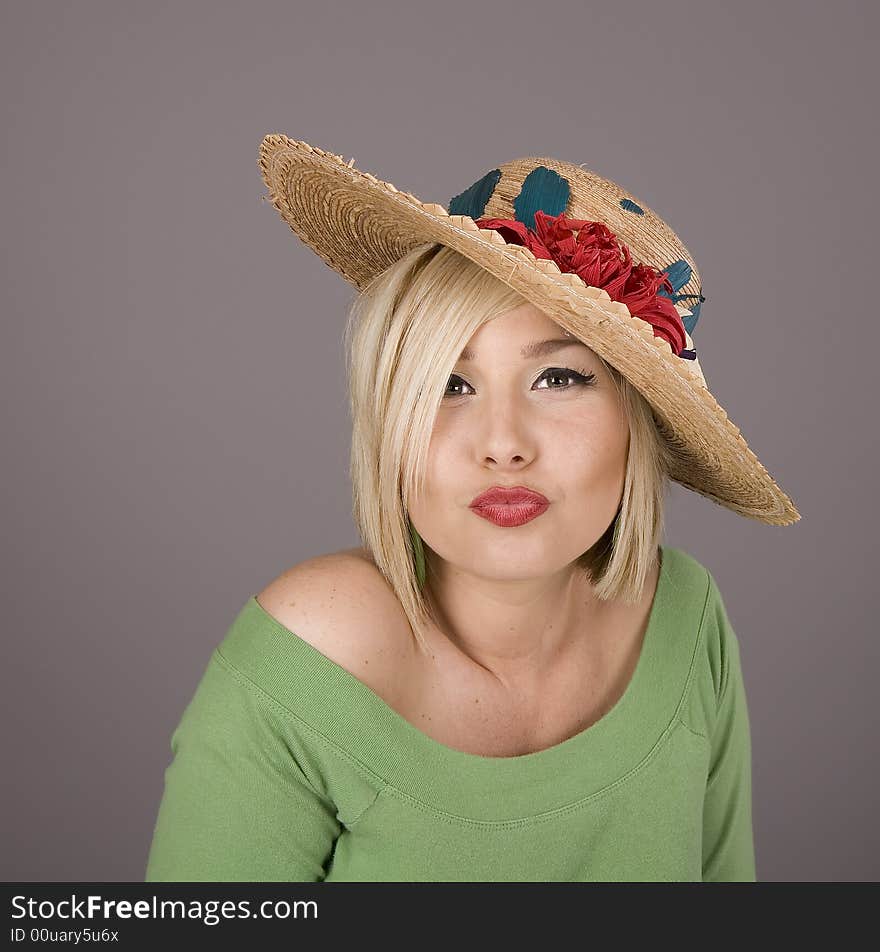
(602, 261)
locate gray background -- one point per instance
(175, 428)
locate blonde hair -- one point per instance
(404, 334)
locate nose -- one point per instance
(504, 438)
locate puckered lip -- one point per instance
(509, 496)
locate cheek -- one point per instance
(443, 461)
(595, 445)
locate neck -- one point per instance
(518, 631)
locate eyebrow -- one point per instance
(538, 348)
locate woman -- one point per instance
(513, 679)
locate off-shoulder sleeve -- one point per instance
(238, 805)
(728, 841)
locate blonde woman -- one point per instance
(513, 679)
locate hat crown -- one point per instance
(518, 189)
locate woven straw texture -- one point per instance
(359, 225)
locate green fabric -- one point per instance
(288, 768)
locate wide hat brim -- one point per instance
(360, 225)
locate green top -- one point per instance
(286, 767)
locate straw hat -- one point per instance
(360, 225)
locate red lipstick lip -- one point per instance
(509, 496)
(512, 506)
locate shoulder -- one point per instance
(718, 656)
(342, 605)
(688, 575)
(722, 644)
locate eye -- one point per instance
(460, 383)
(579, 378)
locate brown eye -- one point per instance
(570, 378)
(451, 383)
(563, 373)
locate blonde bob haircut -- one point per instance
(403, 337)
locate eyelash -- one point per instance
(581, 378)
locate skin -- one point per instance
(512, 604)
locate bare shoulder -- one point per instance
(342, 605)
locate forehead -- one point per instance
(525, 330)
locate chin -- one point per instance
(503, 558)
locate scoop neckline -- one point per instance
(352, 716)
